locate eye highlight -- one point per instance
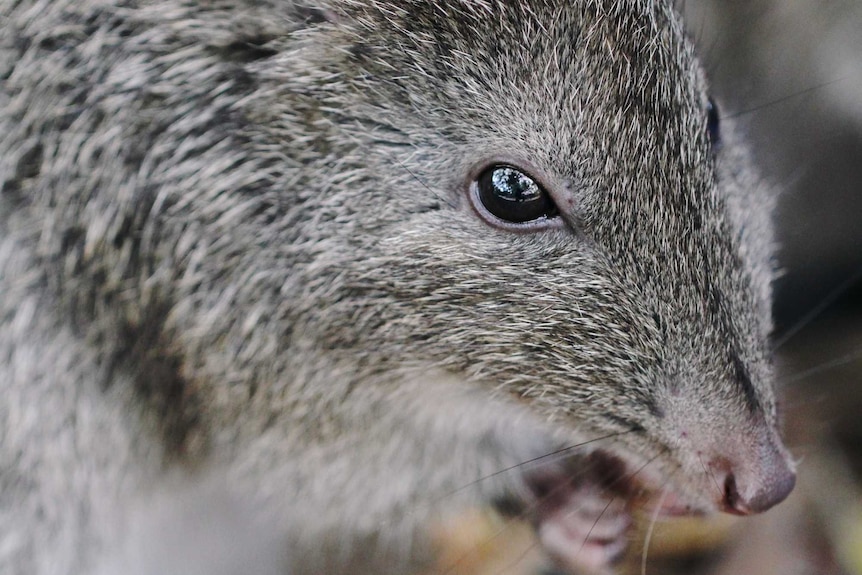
(508, 197)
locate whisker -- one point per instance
(533, 460)
(528, 509)
(824, 304)
(651, 529)
(664, 450)
(422, 183)
(785, 98)
(626, 477)
(431, 503)
(596, 522)
(525, 512)
(711, 475)
(825, 366)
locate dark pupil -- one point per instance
(512, 195)
(712, 123)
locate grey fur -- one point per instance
(236, 247)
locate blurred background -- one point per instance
(789, 72)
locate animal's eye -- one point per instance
(513, 197)
(713, 124)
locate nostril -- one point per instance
(732, 502)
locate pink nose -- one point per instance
(741, 501)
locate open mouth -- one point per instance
(582, 507)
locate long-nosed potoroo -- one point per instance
(287, 284)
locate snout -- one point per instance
(754, 482)
(745, 498)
